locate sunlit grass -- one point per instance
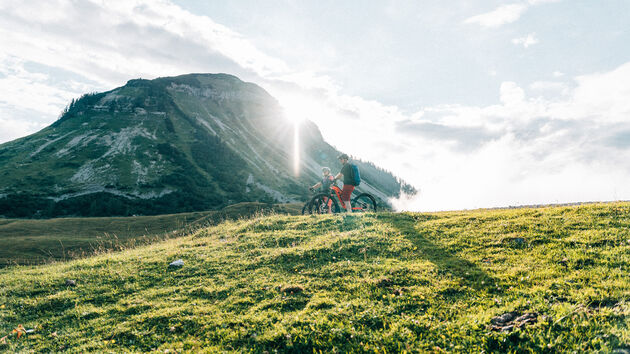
(374, 283)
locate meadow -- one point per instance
(549, 279)
(36, 241)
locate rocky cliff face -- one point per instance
(192, 142)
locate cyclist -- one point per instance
(324, 185)
(348, 182)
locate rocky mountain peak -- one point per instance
(190, 142)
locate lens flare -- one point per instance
(296, 148)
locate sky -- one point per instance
(476, 103)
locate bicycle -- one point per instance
(323, 203)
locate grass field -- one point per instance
(34, 241)
(387, 282)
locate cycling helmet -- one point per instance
(343, 156)
(325, 169)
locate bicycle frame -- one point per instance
(337, 191)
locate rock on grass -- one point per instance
(510, 320)
(176, 264)
(292, 289)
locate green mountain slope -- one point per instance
(176, 144)
(374, 283)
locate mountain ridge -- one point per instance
(172, 144)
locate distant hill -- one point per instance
(174, 144)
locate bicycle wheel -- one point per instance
(323, 204)
(306, 209)
(363, 203)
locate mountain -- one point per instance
(173, 144)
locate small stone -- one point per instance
(510, 320)
(292, 289)
(176, 264)
(504, 318)
(71, 282)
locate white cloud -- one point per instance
(526, 148)
(603, 95)
(550, 87)
(109, 41)
(101, 45)
(558, 74)
(502, 15)
(23, 89)
(511, 94)
(526, 41)
(16, 128)
(550, 147)
(536, 2)
(569, 149)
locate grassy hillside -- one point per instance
(373, 283)
(33, 241)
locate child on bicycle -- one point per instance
(324, 185)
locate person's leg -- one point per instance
(346, 192)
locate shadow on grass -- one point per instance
(468, 272)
